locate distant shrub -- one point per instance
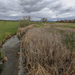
(25, 21)
(44, 19)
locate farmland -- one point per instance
(43, 46)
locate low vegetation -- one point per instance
(47, 48)
(44, 19)
(68, 26)
(7, 29)
(22, 31)
(68, 36)
(49, 51)
(25, 21)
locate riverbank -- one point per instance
(10, 50)
(7, 30)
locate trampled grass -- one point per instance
(7, 27)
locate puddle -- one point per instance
(10, 48)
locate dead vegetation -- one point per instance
(22, 31)
(0, 44)
(44, 53)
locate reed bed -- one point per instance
(22, 31)
(45, 54)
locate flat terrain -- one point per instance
(48, 49)
(7, 27)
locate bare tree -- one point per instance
(44, 19)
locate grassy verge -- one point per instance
(7, 28)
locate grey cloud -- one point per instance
(29, 2)
(33, 5)
(56, 7)
(9, 7)
(67, 10)
(51, 9)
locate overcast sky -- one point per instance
(37, 9)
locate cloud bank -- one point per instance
(37, 9)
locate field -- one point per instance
(48, 49)
(7, 28)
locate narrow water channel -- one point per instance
(10, 49)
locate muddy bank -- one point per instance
(10, 49)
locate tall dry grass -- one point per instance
(22, 31)
(68, 36)
(44, 54)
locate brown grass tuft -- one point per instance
(9, 36)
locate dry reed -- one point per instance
(44, 54)
(22, 31)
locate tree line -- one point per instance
(66, 21)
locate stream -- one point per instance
(10, 49)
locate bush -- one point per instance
(44, 19)
(25, 21)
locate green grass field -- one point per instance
(7, 27)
